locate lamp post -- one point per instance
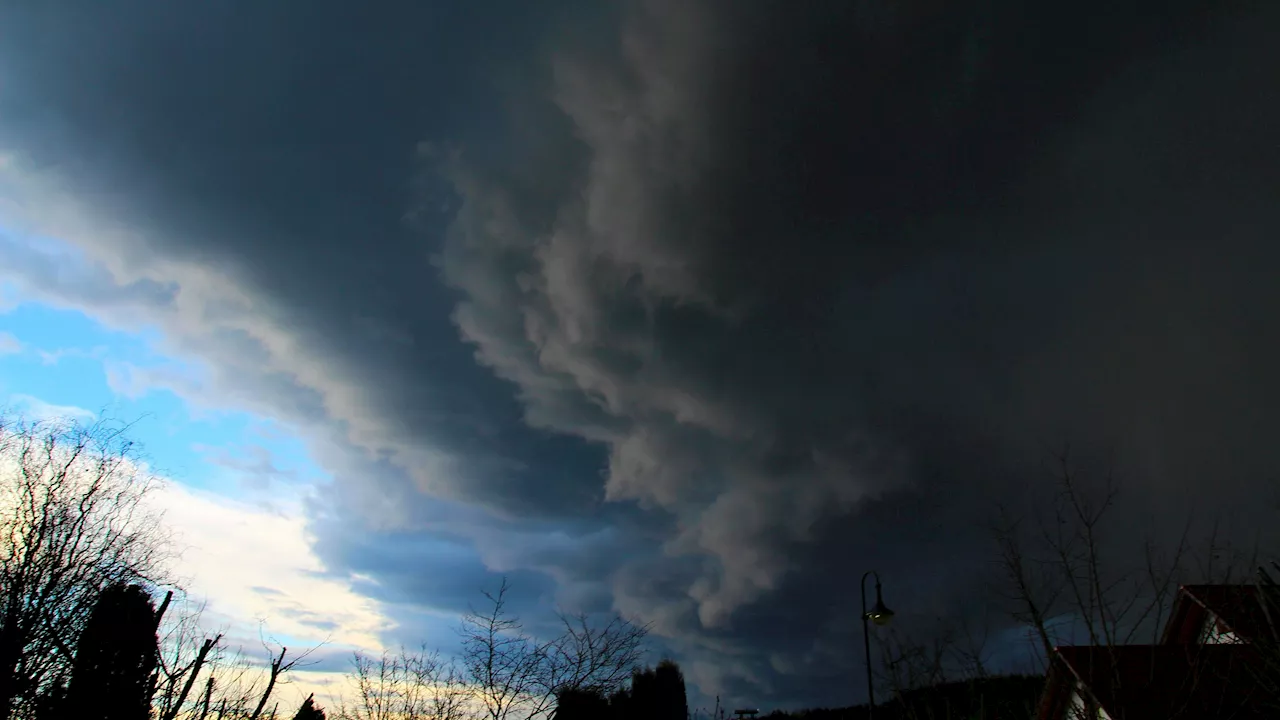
(880, 615)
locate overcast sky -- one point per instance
(689, 309)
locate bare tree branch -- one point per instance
(516, 675)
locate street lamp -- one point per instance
(880, 615)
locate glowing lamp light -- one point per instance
(879, 614)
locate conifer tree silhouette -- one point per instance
(115, 658)
(670, 701)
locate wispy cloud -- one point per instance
(254, 464)
(9, 345)
(36, 409)
(53, 357)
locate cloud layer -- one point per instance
(710, 307)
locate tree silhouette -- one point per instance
(514, 674)
(579, 704)
(641, 701)
(671, 701)
(115, 658)
(655, 694)
(620, 704)
(309, 710)
(408, 685)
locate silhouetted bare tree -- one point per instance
(1077, 575)
(72, 523)
(185, 651)
(516, 675)
(232, 685)
(1065, 579)
(405, 686)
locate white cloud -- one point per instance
(252, 567)
(251, 563)
(33, 408)
(9, 345)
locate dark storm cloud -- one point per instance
(815, 283)
(800, 257)
(276, 152)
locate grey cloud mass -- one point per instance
(696, 309)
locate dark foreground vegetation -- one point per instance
(91, 626)
(1014, 696)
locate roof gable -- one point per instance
(1238, 607)
(1141, 682)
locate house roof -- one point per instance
(1141, 682)
(1237, 606)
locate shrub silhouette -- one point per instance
(578, 704)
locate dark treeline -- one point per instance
(659, 694)
(654, 694)
(115, 673)
(1013, 696)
